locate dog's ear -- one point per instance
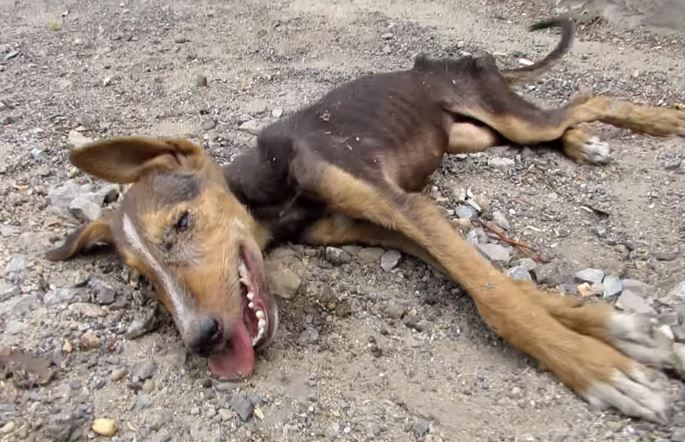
(88, 235)
(126, 159)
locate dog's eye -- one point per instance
(183, 222)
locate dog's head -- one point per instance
(181, 227)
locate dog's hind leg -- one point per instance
(595, 369)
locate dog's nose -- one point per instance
(208, 335)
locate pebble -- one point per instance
(200, 81)
(631, 302)
(678, 292)
(390, 259)
(612, 286)
(77, 139)
(277, 113)
(8, 428)
(63, 195)
(394, 310)
(495, 252)
(225, 414)
(466, 212)
(89, 340)
(143, 370)
(181, 39)
(242, 406)
(118, 374)
(666, 255)
(88, 309)
(143, 401)
(420, 428)
(283, 281)
(59, 295)
(526, 263)
(519, 273)
(679, 360)
(371, 254)
(308, 337)
(593, 276)
(337, 256)
(104, 293)
(499, 219)
(142, 324)
(638, 287)
(8, 291)
(251, 127)
(501, 163)
(673, 164)
(16, 264)
(104, 427)
(552, 273)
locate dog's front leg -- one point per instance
(592, 367)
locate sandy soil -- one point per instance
(364, 353)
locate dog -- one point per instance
(350, 168)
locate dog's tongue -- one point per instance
(237, 359)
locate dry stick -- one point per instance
(523, 248)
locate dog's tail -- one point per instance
(529, 73)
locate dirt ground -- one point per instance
(364, 354)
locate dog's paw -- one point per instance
(595, 151)
(636, 391)
(585, 148)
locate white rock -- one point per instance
(631, 302)
(390, 259)
(495, 252)
(593, 276)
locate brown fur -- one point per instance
(349, 168)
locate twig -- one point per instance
(518, 245)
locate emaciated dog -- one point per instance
(350, 168)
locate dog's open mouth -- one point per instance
(236, 360)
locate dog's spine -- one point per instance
(529, 73)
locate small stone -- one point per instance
(88, 309)
(89, 340)
(181, 39)
(142, 324)
(612, 286)
(394, 310)
(631, 302)
(251, 127)
(387, 36)
(390, 259)
(225, 414)
(104, 293)
(242, 406)
(107, 81)
(666, 255)
(104, 427)
(519, 273)
(83, 209)
(143, 370)
(387, 49)
(118, 374)
(466, 212)
(499, 219)
(63, 195)
(337, 256)
(679, 359)
(200, 81)
(283, 281)
(208, 124)
(8, 428)
(527, 263)
(593, 276)
(77, 139)
(501, 163)
(8, 291)
(673, 164)
(495, 252)
(420, 428)
(308, 337)
(414, 322)
(371, 254)
(194, 411)
(277, 113)
(678, 292)
(143, 401)
(552, 273)
(59, 295)
(638, 287)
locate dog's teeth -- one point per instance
(250, 296)
(261, 323)
(242, 269)
(260, 314)
(251, 305)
